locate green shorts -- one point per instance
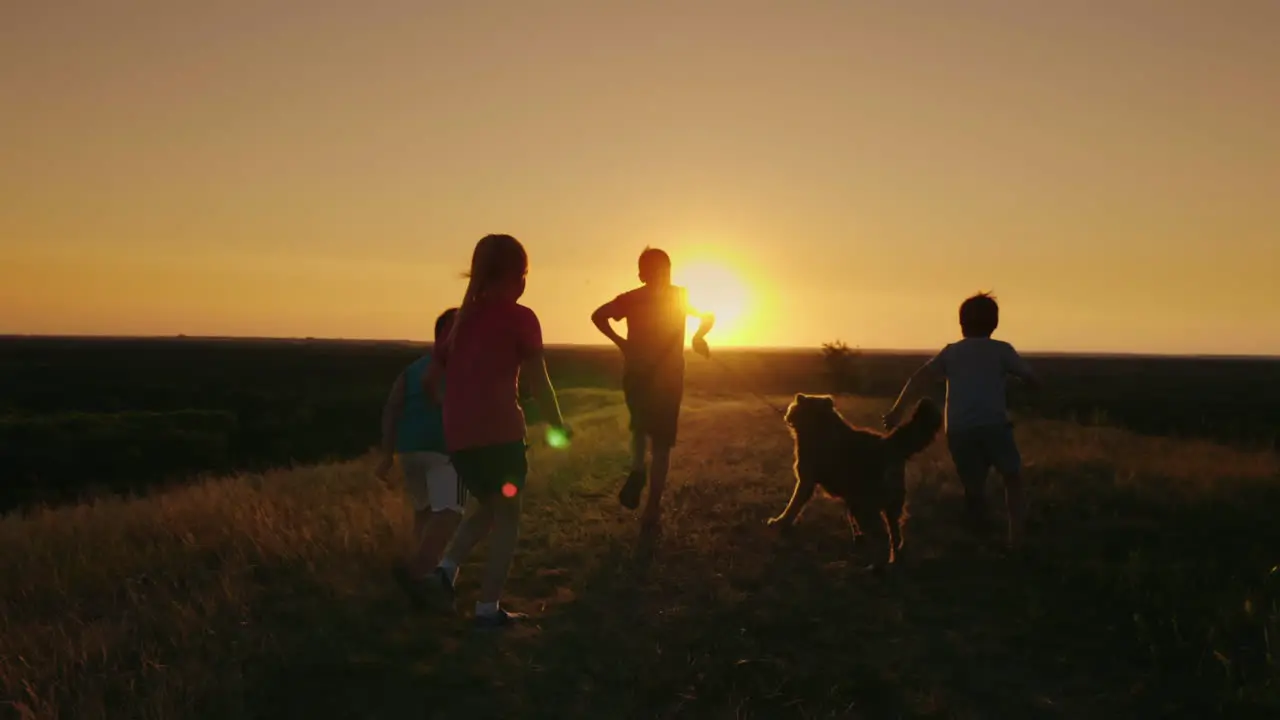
(485, 471)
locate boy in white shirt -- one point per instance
(979, 434)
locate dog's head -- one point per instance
(809, 410)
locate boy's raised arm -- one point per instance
(601, 318)
(706, 321)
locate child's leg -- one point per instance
(657, 482)
(639, 444)
(1016, 501)
(415, 467)
(475, 524)
(663, 422)
(1007, 459)
(972, 465)
(447, 497)
(420, 520)
(437, 533)
(506, 530)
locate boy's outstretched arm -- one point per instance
(927, 373)
(390, 426)
(601, 318)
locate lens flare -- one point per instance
(557, 439)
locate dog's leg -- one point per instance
(875, 526)
(895, 503)
(853, 525)
(800, 496)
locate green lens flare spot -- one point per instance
(557, 438)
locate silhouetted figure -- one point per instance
(492, 341)
(653, 371)
(979, 434)
(413, 429)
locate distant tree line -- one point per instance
(119, 416)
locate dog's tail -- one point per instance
(917, 433)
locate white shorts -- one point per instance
(430, 481)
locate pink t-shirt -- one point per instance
(482, 372)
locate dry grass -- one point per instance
(1149, 590)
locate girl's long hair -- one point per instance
(496, 258)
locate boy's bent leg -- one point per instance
(1008, 461)
(438, 532)
(663, 427)
(657, 483)
(972, 465)
(636, 393)
(475, 524)
(639, 446)
(1016, 501)
(420, 520)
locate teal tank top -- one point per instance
(421, 421)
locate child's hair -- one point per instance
(979, 315)
(655, 266)
(443, 321)
(495, 259)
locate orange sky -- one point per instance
(1110, 168)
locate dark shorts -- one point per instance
(976, 450)
(653, 400)
(484, 471)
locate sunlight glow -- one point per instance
(714, 287)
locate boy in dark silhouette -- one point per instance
(979, 434)
(653, 371)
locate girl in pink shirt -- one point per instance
(493, 340)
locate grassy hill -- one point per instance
(1150, 589)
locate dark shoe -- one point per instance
(629, 495)
(412, 587)
(499, 620)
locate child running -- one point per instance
(979, 434)
(413, 429)
(653, 371)
(492, 342)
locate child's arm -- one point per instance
(930, 372)
(601, 318)
(707, 321)
(534, 370)
(431, 380)
(390, 427)
(1016, 366)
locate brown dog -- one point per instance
(864, 468)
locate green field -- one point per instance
(1149, 589)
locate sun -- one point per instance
(715, 288)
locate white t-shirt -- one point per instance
(975, 369)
